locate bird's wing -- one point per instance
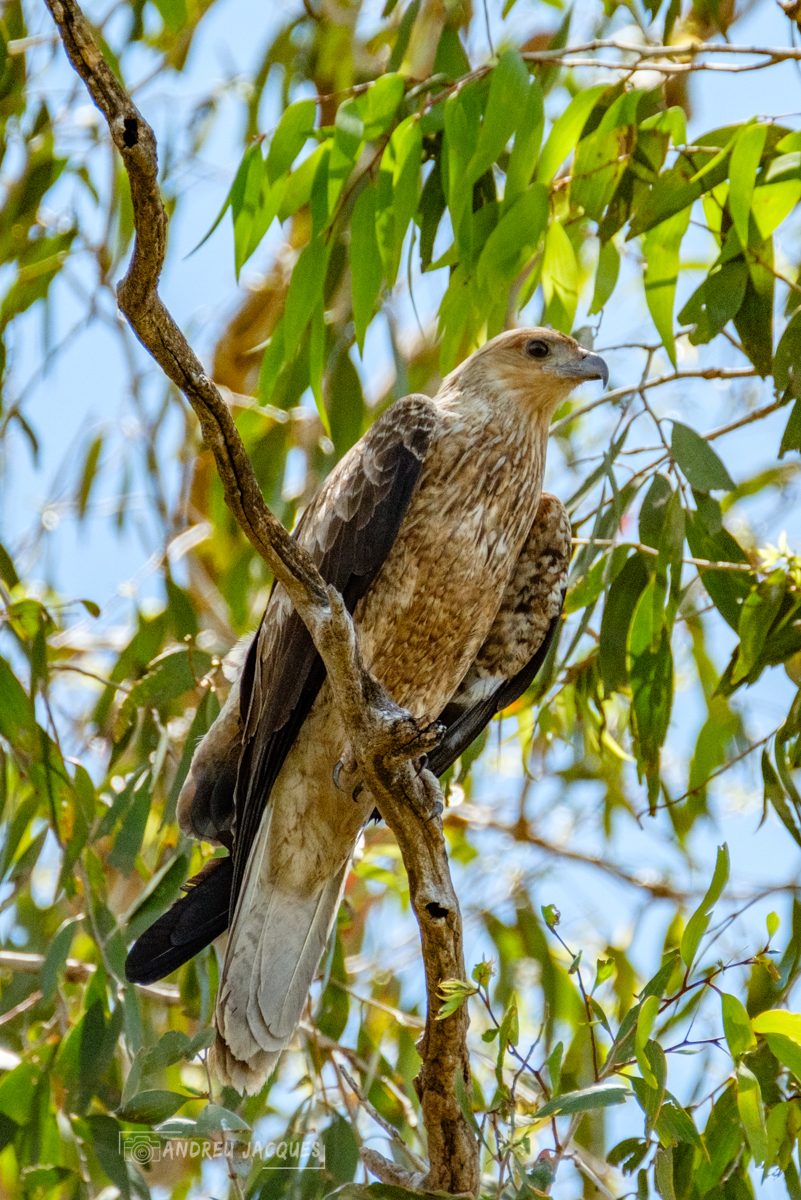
(349, 530)
(520, 636)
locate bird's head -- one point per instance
(539, 366)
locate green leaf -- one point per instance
(378, 1191)
(380, 103)
(300, 183)
(722, 1139)
(236, 190)
(559, 278)
(754, 320)
(566, 132)
(172, 1047)
(649, 1010)
(8, 573)
(749, 1103)
(554, 1065)
(173, 13)
(679, 187)
(745, 157)
(463, 1100)
(56, 958)
(508, 98)
(528, 137)
(294, 129)
(599, 1095)
(651, 1096)
(702, 467)
(88, 475)
(652, 511)
(513, 241)
(128, 841)
(601, 158)
(306, 290)
(773, 202)
(787, 362)
(348, 144)
(791, 438)
(606, 274)
(17, 1092)
(698, 922)
(365, 263)
(652, 696)
(151, 1107)
(604, 969)
(621, 601)
(663, 1173)
(214, 1119)
(398, 188)
(675, 1124)
(777, 1021)
(661, 247)
(450, 59)
(589, 587)
(168, 678)
(404, 33)
(757, 614)
(162, 889)
(787, 1050)
(716, 302)
(736, 1026)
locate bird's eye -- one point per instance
(536, 348)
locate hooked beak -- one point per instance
(587, 366)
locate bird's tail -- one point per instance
(184, 930)
(274, 949)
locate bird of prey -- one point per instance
(453, 563)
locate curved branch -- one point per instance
(383, 736)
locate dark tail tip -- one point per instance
(191, 924)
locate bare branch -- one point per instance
(383, 736)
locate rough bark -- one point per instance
(384, 737)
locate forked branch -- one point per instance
(383, 736)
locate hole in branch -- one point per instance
(436, 910)
(131, 132)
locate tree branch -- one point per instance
(383, 736)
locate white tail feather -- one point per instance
(275, 946)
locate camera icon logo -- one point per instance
(140, 1148)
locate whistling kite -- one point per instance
(453, 564)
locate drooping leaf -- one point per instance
(305, 292)
(752, 1115)
(528, 135)
(621, 602)
(560, 278)
(566, 131)
(661, 246)
(365, 263)
(606, 275)
(745, 156)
